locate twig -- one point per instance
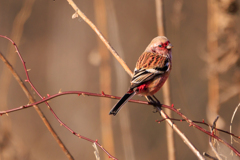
(184, 138)
(96, 153)
(202, 129)
(210, 139)
(43, 98)
(199, 122)
(231, 124)
(135, 101)
(40, 113)
(110, 48)
(16, 32)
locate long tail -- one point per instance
(121, 102)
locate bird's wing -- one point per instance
(149, 65)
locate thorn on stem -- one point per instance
(75, 15)
(103, 93)
(60, 91)
(172, 106)
(48, 95)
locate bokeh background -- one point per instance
(65, 54)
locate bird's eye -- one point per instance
(160, 45)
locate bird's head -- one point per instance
(160, 45)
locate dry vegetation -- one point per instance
(66, 66)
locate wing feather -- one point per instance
(149, 66)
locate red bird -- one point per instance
(152, 70)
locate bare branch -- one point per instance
(43, 100)
(210, 139)
(200, 122)
(40, 113)
(110, 48)
(191, 123)
(231, 124)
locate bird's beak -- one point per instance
(169, 46)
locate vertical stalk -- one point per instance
(121, 84)
(105, 78)
(212, 47)
(166, 86)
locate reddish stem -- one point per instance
(45, 101)
(200, 122)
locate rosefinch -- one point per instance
(152, 70)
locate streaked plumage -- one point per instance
(152, 70)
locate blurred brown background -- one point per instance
(62, 53)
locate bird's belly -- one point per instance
(153, 86)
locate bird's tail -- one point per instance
(121, 102)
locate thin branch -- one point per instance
(40, 113)
(16, 32)
(110, 48)
(184, 138)
(231, 124)
(191, 123)
(200, 122)
(43, 98)
(96, 153)
(210, 139)
(202, 129)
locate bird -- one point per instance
(152, 70)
